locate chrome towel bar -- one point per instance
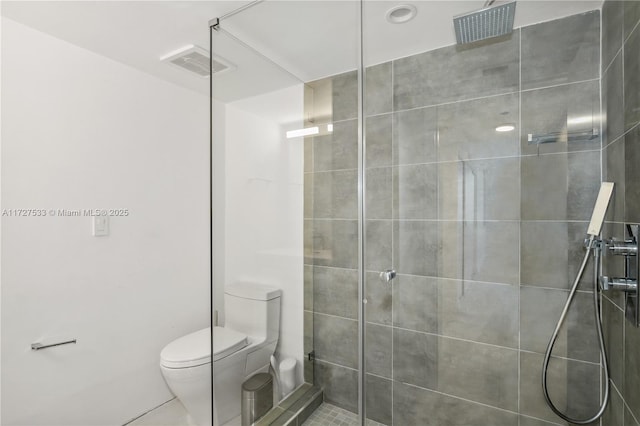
(37, 346)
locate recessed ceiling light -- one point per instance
(505, 128)
(401, 14)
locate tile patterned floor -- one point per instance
(330, 415)
(171, 413)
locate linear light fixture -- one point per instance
(308, 131)
(580, 120)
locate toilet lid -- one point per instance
(195, 349)
(227, 341)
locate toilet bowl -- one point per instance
(241, 348)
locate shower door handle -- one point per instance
(387, 276)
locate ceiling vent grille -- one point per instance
(196, 60)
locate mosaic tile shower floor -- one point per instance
(330, 415)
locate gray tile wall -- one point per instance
(620, 154)
(484, 229)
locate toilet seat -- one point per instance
(195, 349)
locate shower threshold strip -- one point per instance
(296, 408)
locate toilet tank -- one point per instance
(253, 309)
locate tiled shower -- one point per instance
(620, 157)
(485, 229)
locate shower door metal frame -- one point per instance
(362, 147)
(212, 314)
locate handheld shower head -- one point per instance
(600, 209)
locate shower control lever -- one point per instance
(623, 284)
(387, 276)
(629, 282)
(623, 248)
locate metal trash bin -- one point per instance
(257, 397)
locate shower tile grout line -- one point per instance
(612, 302)
(604, 71)
(624, 403)
(628, 410)
(478, 98)
(566, 290)
(625, 133)
(635, 28)
(511, 221)
(444, 336)
(461, 398)
(536, 418)
(459, 280)
(379, 376)
(336, 364)
(393, 236)
(564, 358)
(505, 157)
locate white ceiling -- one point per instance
(310, 38)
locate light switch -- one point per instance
(100, 226)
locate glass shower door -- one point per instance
(285, 141)
(332, 226)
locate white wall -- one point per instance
(264, 204)
(81, 131)
(219, 191)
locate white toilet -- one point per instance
(241, 348)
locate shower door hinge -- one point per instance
(312, 355)
(388, 275)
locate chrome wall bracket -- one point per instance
(629, 283)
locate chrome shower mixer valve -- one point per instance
(629, 282)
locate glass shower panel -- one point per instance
(285, 180)
(257, 204)
(482, 228)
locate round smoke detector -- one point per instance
(401, 14)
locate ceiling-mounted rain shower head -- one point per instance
(493, 21)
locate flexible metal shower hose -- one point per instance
(552, 341)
